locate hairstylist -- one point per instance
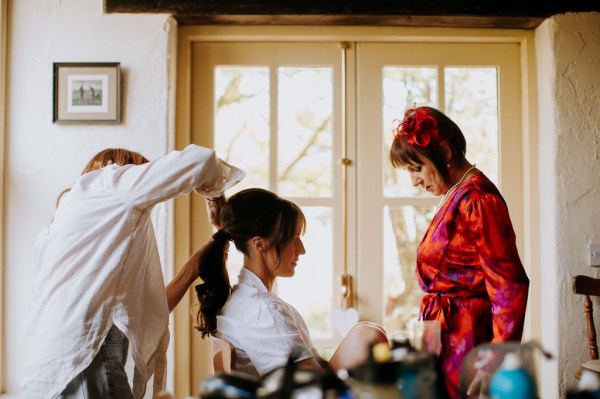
(98, 287)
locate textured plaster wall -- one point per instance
(547, 229)
(568, 52)
(43, 158)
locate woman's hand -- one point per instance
(480, 385)
(213, 209)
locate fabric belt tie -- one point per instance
(438, 306)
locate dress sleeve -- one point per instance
(505, 278)
(179, 172)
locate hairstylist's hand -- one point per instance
(213, 208)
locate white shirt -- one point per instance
(262, 327)
(97, 264)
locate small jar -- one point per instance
(372, 380)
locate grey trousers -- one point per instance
(105, 377)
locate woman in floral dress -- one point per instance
(467, 262)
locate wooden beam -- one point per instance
(442, 13)
(363, 20)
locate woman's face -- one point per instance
(288, 258)
(426, 175)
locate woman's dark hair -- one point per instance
(253, 212)
(422, 131)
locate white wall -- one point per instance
(547, 230)
(568, 59)
(43, 158)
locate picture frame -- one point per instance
(87, 93)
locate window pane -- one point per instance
(310, 290)
(241, 99)
(304, 132)
(304, 148)
(403, 87)
(235, 261)
(403, 229)
(472, 102)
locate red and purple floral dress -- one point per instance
(469, 267)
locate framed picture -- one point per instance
(86, 92)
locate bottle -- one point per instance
(418, 376)
(589, 381)
(512, 381)
(589, 385)
(376, 377)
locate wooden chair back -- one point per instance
(223, 355)
(588, 287)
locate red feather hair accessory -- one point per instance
(418, 127)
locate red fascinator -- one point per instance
(418, 127)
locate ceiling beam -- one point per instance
(439, 13)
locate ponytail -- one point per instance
(215, 289)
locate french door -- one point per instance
(312, 121)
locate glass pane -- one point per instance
(235, 261)
(305, 107)
(241, 103)
(472, 102)
(403, 87)
(310, 295)
(404, 227)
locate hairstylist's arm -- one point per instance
(180, 284)
(177, 288)
(179, 172)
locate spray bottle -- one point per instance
(512, 381)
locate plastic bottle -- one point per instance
(589, 383)
(376, 377)
(512, 381)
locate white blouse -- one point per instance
(262, 327)
(97, 264)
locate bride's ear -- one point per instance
(258, 243)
